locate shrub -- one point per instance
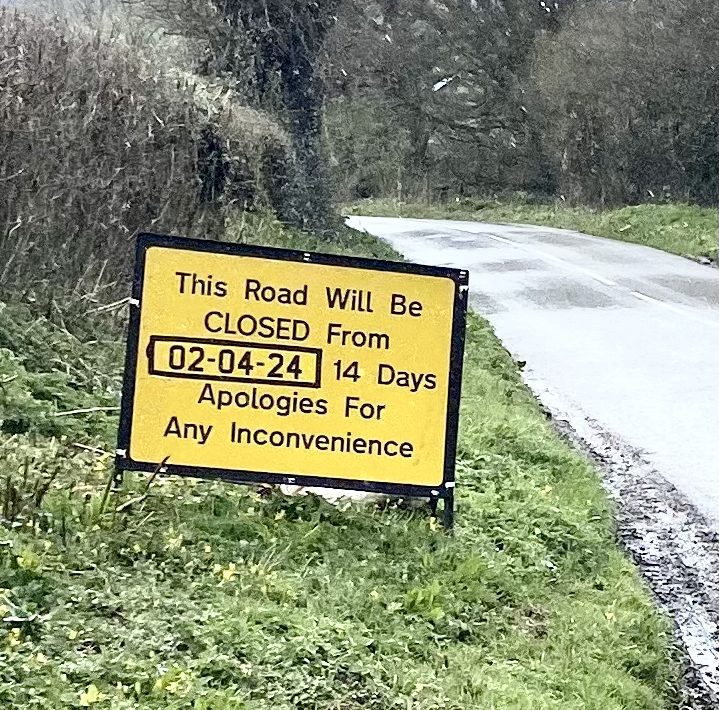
(99, 142)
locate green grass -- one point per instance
(681, 229)
(183, 594)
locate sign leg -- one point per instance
(118, 478)
(448, 512)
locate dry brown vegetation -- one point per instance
(100, 142)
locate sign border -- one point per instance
(315, 384)
(445, 490)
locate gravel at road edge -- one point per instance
(675, 548)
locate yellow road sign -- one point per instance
(257, 364)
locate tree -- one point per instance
(271, 50)
(449, 80)
(632, 98)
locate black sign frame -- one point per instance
(444, 491)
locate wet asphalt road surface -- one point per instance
(625, 335)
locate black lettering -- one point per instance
(268, 294)
(199, 286)
(228, 329)
(359, 446)
(414, 381)
(196, 432)
(252, 286)
(183, 275)
(238, 434)
(173, 428)
(247, 324)
(194, 285)
(205, 432)
(374, 447)
(357, 338)
(387, 448)
(333, 330)
(300, 331)
(199, 354)
(207, 394)
(350, 404)
(385, 375)
(214, 315)
(284, 406)
(322, 442)
(337, 297)
(283, 329)
(399, 306)
(351, 299)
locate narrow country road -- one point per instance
(623, 335)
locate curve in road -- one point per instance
(626, 335)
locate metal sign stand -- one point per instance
(139, 350)
(447, 510)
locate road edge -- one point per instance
(671, 543)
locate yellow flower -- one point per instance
(72, 634)
(174, 543)
(28, 560)
(91, 696)
(101, 462)
(228, 574)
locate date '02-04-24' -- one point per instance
(227, 360)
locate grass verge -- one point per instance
(182, 594)
(681, 229)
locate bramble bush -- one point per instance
(101, 140)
